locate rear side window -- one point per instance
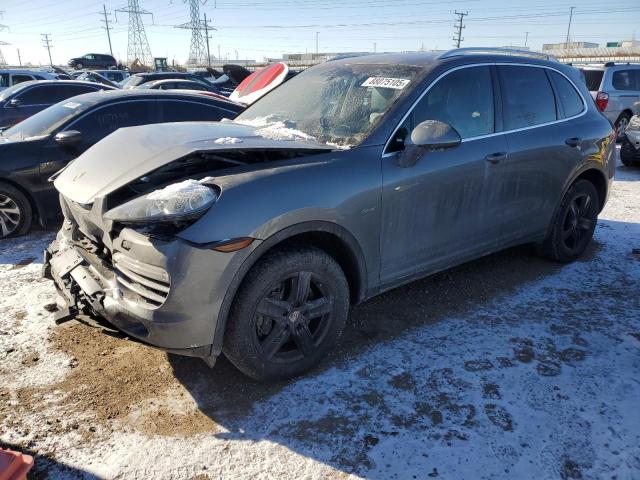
(103, 121)
(593, 79)
(16, 79)
(568, 97)
(182, 111)
(463, 99)
(625, 80)
(4, 80)
(69, 91)
(527, 97)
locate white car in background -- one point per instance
(10, 77)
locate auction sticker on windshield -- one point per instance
(72, 105)
(383, 82)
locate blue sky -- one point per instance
(259, 28)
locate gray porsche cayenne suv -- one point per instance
(253, 237)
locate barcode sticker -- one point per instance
(383, 82)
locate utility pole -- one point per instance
(317, 33)
(526, 38)
(137, 43)
(375, 46)
(47, 44)
(457, 39)
(106, 26)
(566, 43)
(206, 33)
(2, 27)
(19, 59)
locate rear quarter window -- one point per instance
(568, 97)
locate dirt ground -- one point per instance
(507, 367)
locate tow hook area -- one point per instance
(65, 314)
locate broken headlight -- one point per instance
(178, 202)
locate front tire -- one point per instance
(16, 215)
(574, 224)
(289, 312)
(79, 66)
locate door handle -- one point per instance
(573, 142)
(494, 158)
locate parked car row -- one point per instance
(39, 146)
(253, 237)
(616, 89)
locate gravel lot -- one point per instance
(508, 367)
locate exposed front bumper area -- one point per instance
(163, 293)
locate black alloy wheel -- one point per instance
(288, 313)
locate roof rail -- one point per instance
(496, 51)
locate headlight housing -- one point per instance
(177, 202)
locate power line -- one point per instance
(457, 39)
(137, 43)
(106, 26)
(47, 44)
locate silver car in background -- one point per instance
(615, 87)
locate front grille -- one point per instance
(141, 282)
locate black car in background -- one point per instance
(27, 98)
(93, 61)
(35, 149)
(140, 78)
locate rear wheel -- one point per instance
(15, 212)
(287, 315)
(574, 224)
(628, 154)
(621, 125)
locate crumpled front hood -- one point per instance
(130, 153)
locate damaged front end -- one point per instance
(119, 254)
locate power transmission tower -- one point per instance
(106, 26)
(457, 38)
(47, 44)
(198, 49)
(137, 43)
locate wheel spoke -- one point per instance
(585, 206)
(574, 210)
(585, 224)
(275, 340)
(300, 287)
(567, 234)
(304, 340)
(274, 309)
(3, 227)
(317, 308)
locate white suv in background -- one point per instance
(8, 78)
(616, 89)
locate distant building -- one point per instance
(568, 46)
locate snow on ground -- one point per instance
(540, 380)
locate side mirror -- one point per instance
(15, 103)
(428, 135)
(68, 138)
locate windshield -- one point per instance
(45, 122)
(593, 78)
(334, 103)
(132, 81)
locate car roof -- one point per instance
(161, 81)
(63, 82)
(26, 71)
(93, 98)
(153, 74)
